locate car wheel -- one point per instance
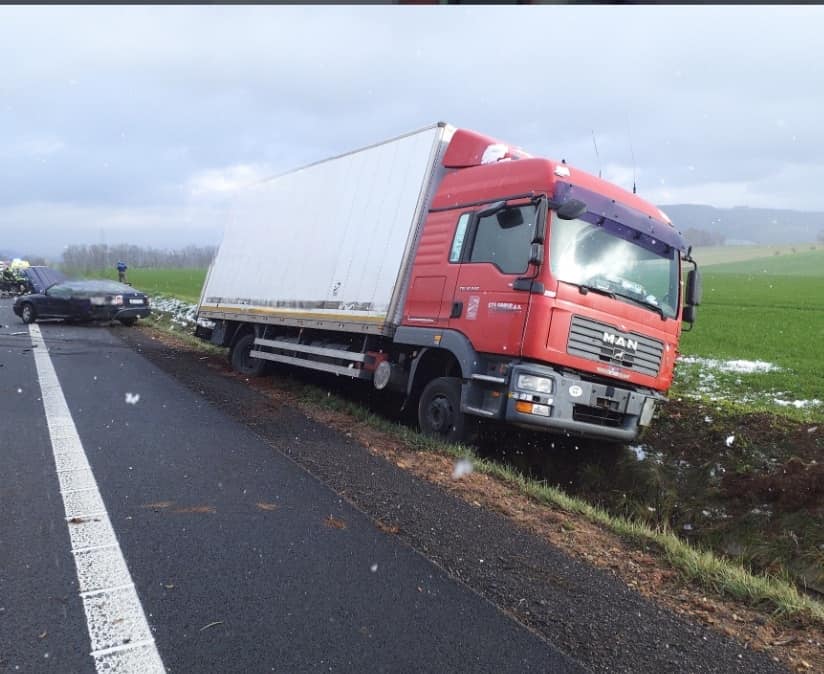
(28, 313)
(439, 410)
(128, 322)
(242, 360)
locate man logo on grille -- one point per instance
(620, 341)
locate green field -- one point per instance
(765, 309)
(724, 255)
(802, 263)
(184, 284)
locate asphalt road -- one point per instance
(242, 560)
(244, 556)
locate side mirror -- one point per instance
(569, 210)
(694, 289)
(536, 253)
(688, 314)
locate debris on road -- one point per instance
(196, 509)
(334, 523)
(159, 505)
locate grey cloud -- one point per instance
(121, 106)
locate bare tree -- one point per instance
(83, 258)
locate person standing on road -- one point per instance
(121, 271)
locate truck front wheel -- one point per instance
(439, 410)
(243, 362)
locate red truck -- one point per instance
(478, 281)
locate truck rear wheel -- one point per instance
(243, 362)
(439, 410)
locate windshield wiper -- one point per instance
(642, 303)
(583, 288)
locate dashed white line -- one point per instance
(104, 590)
(121, 640)
(120, 649)
(89, 548)
(85, 516)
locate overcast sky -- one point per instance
(135, 124)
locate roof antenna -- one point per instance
(597, 156)
(632, 154)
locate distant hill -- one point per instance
(748, 225)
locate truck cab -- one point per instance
(558, 293)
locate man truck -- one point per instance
(476, 280)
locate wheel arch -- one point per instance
(235, 330)
(445, 353)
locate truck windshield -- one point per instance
(618, 261)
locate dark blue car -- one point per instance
(89, 300)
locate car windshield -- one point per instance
(43, 277)
(604, 256)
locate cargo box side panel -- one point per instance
(326, 241)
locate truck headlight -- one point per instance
(530, 382)
(97, 301)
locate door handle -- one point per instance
(457, 309)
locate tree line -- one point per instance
(96, 256)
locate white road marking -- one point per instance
(121, 640)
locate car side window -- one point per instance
(503, 238)
(59, 291)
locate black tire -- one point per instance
(28, 313)
(439, 410)
(128, 322)
(242, 362)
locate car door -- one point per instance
(486, 307)
(57, 301)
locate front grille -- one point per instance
(602, 342)
(597, 415)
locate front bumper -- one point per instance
(132, 312)
(113, 313)
(573, 407)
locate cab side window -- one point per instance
(503, 238)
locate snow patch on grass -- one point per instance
(798, 404)
(716, 380)
(180, 313)
(738, 366)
